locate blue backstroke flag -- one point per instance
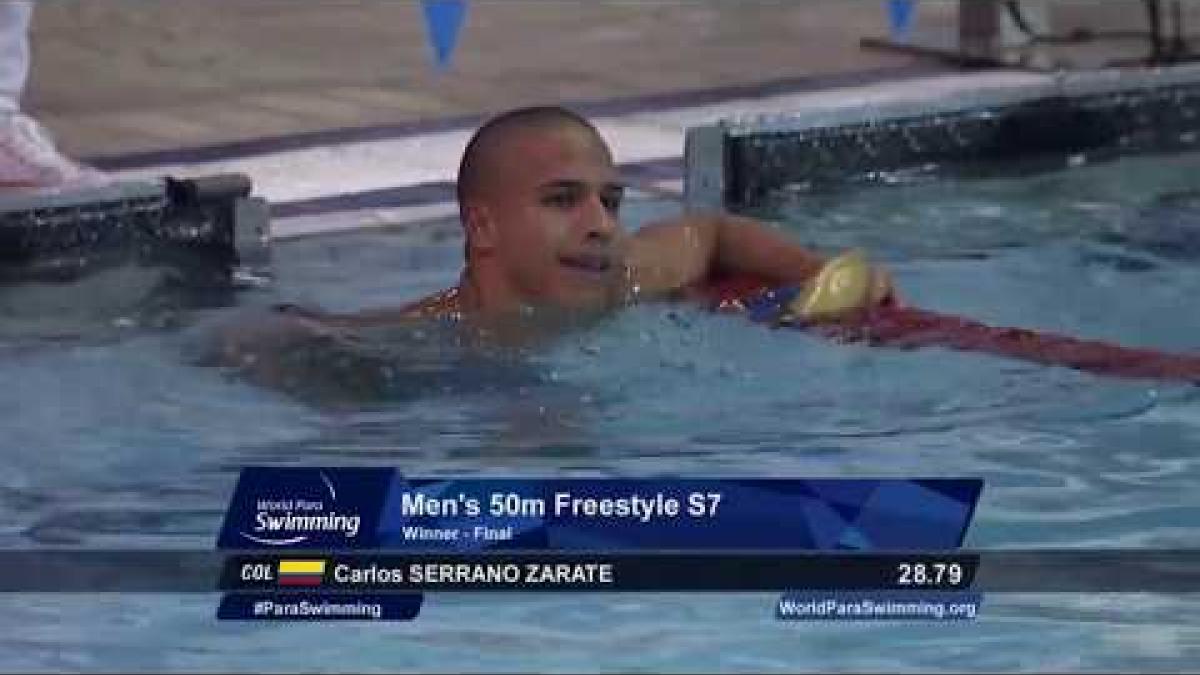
(900, 17)
(444, 18)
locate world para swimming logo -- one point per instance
(293, 507)
(286, 522)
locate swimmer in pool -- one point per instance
(538, 196)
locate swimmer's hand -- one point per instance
(844, 285)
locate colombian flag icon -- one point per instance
(301, 572)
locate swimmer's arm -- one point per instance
(371, 318)
(675, 254)
(301, 354)
(256, 346)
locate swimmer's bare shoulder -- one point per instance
(257, 345)
(308, 354)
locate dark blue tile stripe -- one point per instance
(434, 192)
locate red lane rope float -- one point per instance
(910, 328)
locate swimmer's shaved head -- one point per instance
(538, 194)
(479, 161)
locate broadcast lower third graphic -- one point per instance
(1000, 571)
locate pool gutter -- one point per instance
(209, 231)
(741, 159)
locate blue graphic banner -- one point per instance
(365, 509)
(319, 606)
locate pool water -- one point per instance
(113, 439)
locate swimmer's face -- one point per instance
(552, 213)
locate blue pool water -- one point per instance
(112, 440)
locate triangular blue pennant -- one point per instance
(900, 17)
(444, 18)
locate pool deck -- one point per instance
(119, 77)
(337, 112)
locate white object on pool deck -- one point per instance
(361, 166)
(30, 159)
